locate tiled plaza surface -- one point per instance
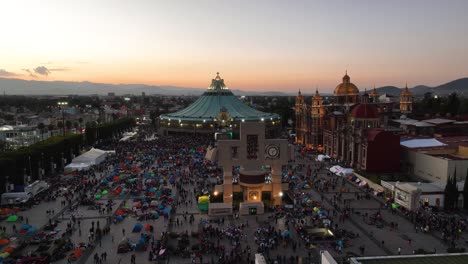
(377, 241)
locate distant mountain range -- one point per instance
(460, 86)
(22, 87)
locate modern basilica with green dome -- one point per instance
(217, 109)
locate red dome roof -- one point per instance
(365, 111)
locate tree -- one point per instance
(41, 128)
(447, 195)
(59, 124)
(80, 120)
(76, 125)
(50, 127)
(454, 190)
(465, 192)
(68, 124)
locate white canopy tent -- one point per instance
(338, 170)
(87, 159)
(77, 167)
(322, 157)
(93, 156)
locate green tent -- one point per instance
(12, 218)
(203, 207)
(395, 206)
(105, 192)
(97, 196)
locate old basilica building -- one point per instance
(351, 127)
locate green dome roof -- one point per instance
(218, 98)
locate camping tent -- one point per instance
(137, 227)
(12, 218)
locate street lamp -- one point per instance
(62, 105)
(7, 185)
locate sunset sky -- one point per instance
(256, 45)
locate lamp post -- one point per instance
(42, 167)
(62, 104)
(30, 168)
(7, 183)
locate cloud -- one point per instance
(5, 73)
(42, 70)
(30, 73)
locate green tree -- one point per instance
(41, 128)
(60, 124)
(68, 124)
(447, 196)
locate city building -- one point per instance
(252, 167)
(435, 159)
(413, 195)
(217, 108)
(352, 128)
(20, 136)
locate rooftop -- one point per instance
(414, 259)
(219, 102)
(438, 121)
(422, 143)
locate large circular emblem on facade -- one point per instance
(272, 151)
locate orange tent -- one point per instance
(9, 249)
(119, 212)
(78, 252)
(5, 211)
(4, 241)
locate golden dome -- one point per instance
(346, 87)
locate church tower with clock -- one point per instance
(252, 169)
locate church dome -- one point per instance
(346, 87)
(365, 111)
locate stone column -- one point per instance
(277, 187)
(227, 185)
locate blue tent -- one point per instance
(31, 229)
(155, 214)
(137, 227)
(25, 226)
(166, 210)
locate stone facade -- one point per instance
(251, 165)
(348, 125)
